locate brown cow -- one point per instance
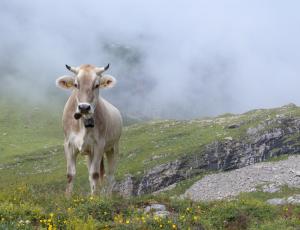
(91, 125)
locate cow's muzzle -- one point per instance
(84, 108)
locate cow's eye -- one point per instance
(75, 85)
(97, 86)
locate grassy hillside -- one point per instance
(26, 128)
(32, 180)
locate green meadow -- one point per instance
(32, 176)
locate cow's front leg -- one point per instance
(71, 167)
(94, 168)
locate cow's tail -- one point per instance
(102, 169)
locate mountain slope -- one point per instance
(154, 155)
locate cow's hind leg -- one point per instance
(71, 167)
(112, 156)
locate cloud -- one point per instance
(172, 59)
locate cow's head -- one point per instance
(86, 82)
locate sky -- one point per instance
(171, 58)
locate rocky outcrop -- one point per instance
(155, 179)
(265, 176)
(282, 201)
(272, 137)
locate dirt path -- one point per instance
(231, 183)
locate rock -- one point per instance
(297, 173)
(155, 157)
(155, 207)
(254, 130)
(170, 187)
(277, 201)
(233, 126)
(294, 199)
(162, 214)
(160, 177)
(226, 185)
(271, 188)
(228, 138)
(290, 105)
(125, 188)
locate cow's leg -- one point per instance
(71, 166)
(94, 167)
(102, 170)
(112, 156)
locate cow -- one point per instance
(92, 126)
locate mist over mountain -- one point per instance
(172, 59)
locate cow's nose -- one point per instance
(84, 108)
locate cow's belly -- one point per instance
(84, 142)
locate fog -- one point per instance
(172, 59)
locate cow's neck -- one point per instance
(83, 137)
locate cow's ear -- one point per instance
(65, 82)
(107, 81)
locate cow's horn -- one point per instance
(72, 69)
(100, 70)
(106, 67)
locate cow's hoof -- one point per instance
(68, 194)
